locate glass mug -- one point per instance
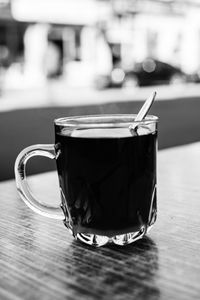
(106, 167)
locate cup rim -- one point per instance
(102, 120)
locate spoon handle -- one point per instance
(145, 108)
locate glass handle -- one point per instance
(22, 185)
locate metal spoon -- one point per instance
(142, 113)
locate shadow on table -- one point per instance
(121, 273)
(179, 124)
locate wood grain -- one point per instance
(40, 260)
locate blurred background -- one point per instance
(65, 57)
(96, 45)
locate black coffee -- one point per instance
(108, 183)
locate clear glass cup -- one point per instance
(106, 167)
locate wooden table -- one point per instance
(40, 260)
